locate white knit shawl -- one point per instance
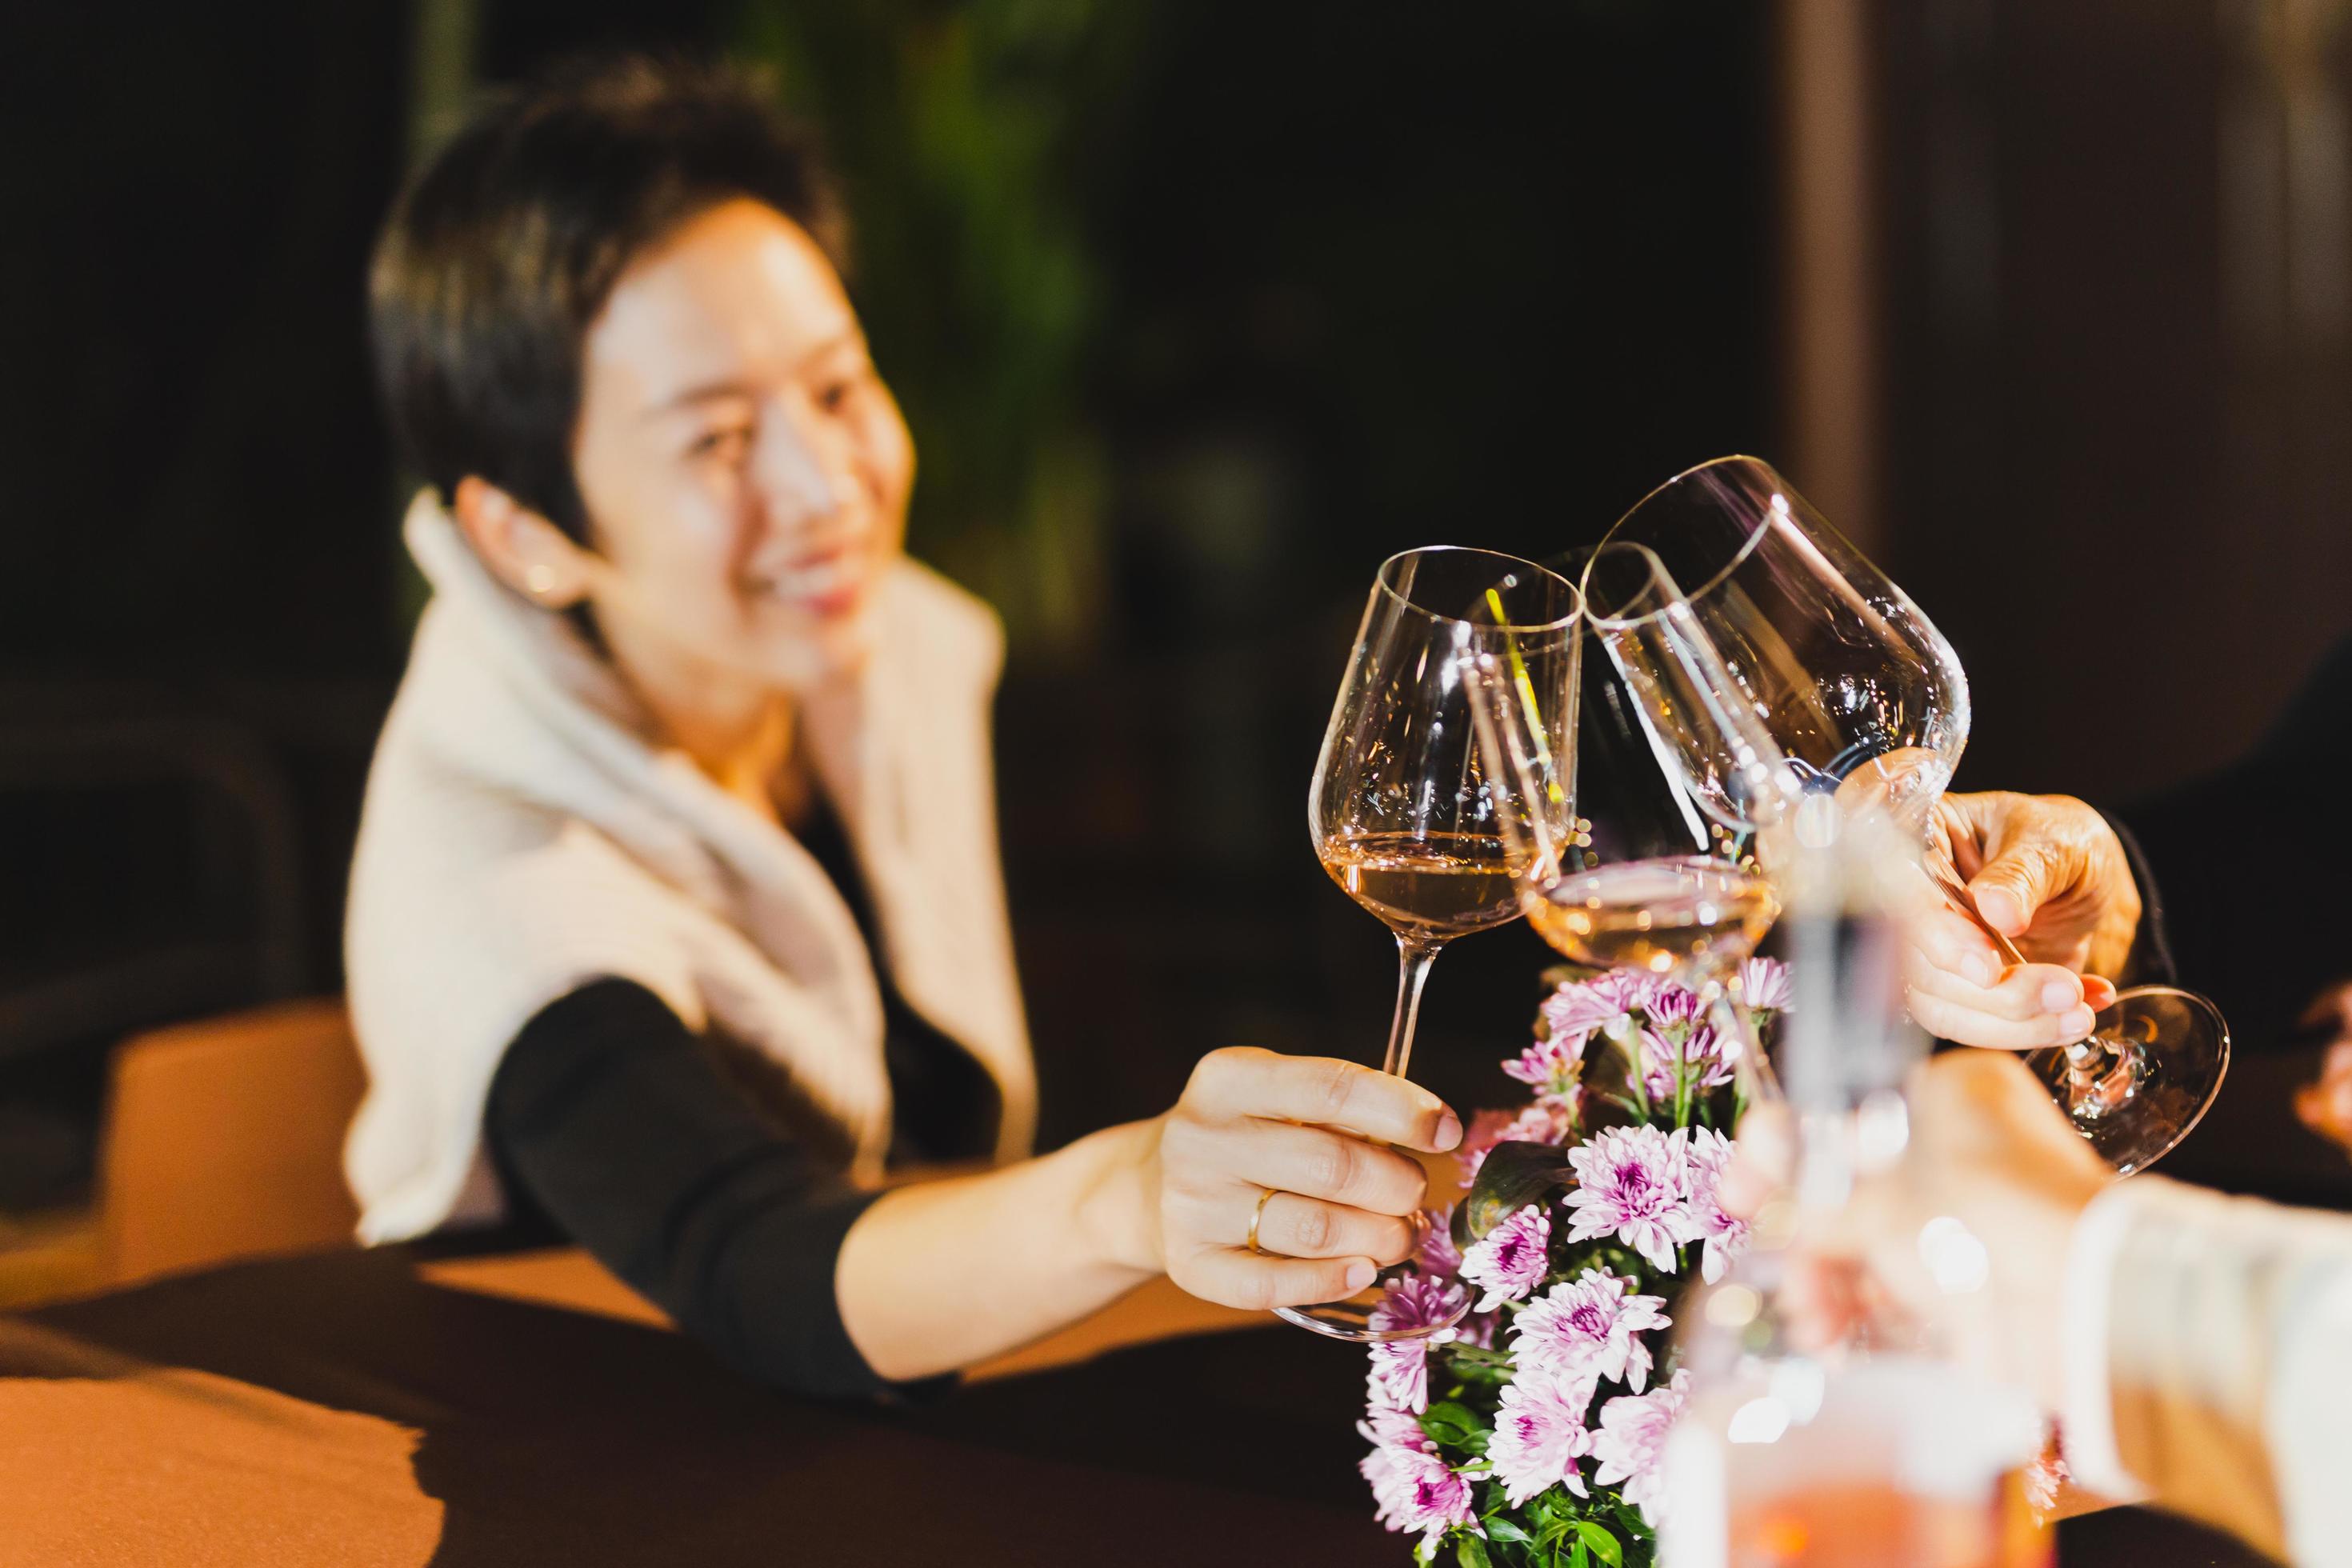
(521, 837)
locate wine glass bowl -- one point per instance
(1799, 636)
(1401, 812)
(1436, 885)
(1693, 914)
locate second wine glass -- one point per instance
(1630, 877)
(1792, 684)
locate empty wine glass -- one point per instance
(1400, 809)
(1792, 683)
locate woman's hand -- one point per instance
(2048, 873)
(947, 1274)
(2324, 1105)
(1309, 1130)
(1991, 1185)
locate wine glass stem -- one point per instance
(1413, 959)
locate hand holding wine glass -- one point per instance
(1984, 1151)
(1298, 1155)
(2048, 873)
(1792, 683)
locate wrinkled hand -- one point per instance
(1310, 1130)
(1970, 1231)
(2325, 1105)
(2049, 874)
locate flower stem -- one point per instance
(1635, 1074)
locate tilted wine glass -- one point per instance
(1400, 809)
(1791, 682)
(1619, 870)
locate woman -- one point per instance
(682, 738)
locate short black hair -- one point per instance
(501, 253)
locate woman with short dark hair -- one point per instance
(684, 739)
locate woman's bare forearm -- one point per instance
(940, 1275)
(937, 1277)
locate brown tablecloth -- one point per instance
(347, 1409)
(343, 1409)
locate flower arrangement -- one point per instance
(1529, 1433)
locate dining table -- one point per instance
(399, 1408)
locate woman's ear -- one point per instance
(522, 549)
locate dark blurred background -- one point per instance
(1198, 309)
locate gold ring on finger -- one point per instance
(1257, 1216)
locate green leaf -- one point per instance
(1499, 1528)
(1514, 1175)
(1579, 1558)
(1470, 1367)
(1471, 1551)
(1629, 1523)
(1455, 1424)
(1601, 1542)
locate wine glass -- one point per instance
(1792, 684)
(1618, 868)
(1400, 809)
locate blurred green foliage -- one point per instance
(969, 136)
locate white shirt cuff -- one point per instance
(2087, 1414)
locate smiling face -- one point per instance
(742, 468)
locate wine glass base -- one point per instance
(1352, 1319)
(2155, 1063)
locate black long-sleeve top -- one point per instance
(2248, 865)
(613, 1123)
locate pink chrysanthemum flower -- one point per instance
(1764, 985)
(1417, 1301)
(1704, 1058)
(2046, 1479)
(1385, 1427)
(1655, 1054)
(1579, 1008)
(1551, 1066)
(1588, 1328)
(1434, 1255)
(1711, 1053)
(1631, 1436)
(1418, 1493)
(1479, 1330)
(1510, 1259)
(1706, 1156)
(1390, 1472)
(1549, 1119)
(1486, 1129)
(1672, 1008)
(1629, 1186)
(1400, 1375)
(1539, 1434)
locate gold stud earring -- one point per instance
(540, 581)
